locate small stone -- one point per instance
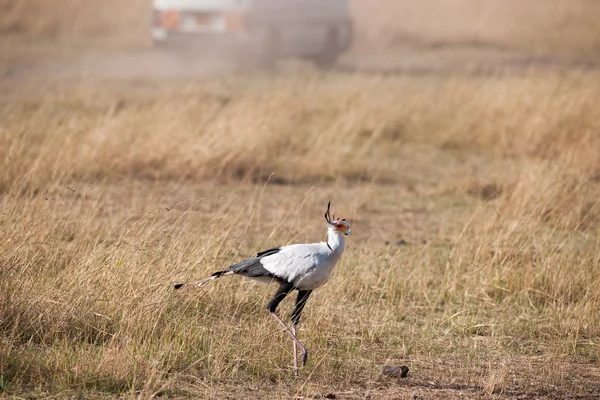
(395, 372)
(391, 370)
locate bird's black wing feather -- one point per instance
(252, 267)
(268, 252)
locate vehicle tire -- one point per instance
(330, 52)
(349, 36)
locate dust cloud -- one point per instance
(64, 39)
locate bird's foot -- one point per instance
(304, 357)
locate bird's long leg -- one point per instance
(299, 343)
(295, 351)
(284, 289)
(300, 303)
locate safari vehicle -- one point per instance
(319, 30)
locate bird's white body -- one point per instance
(307, 266)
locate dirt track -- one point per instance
(98, 64)
(74, 64)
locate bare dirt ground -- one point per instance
(60, 64)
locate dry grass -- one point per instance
(332, 127)
(110, 193)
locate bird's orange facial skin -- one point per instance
(340, 227)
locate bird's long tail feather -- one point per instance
(204, 282)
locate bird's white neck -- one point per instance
(335, 240)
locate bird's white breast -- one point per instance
(318, 275)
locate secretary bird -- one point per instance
(301, 267)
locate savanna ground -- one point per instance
(473, 200)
